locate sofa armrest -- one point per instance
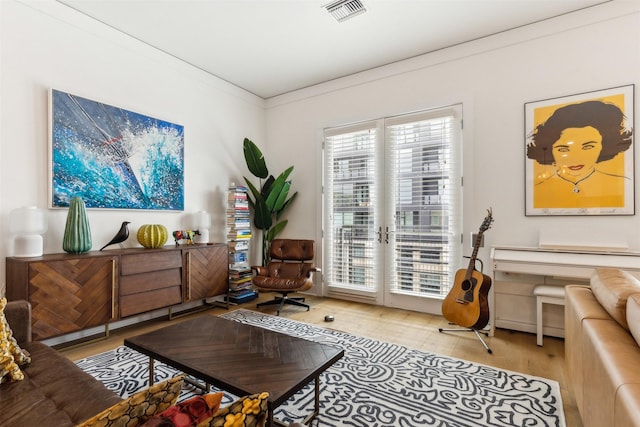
(18, 314)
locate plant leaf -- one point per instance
(255, 159)
(266, 187)
(282, 197)
(276, 230)
(262, 216)
(286, 205)
(254, 190)
(277, 189)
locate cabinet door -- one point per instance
(206, 271)
(71, 294)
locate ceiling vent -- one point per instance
(342, 10)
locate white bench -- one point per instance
(546, 294)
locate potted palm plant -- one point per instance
(270, 199)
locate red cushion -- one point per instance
(188, 413)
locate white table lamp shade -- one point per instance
(201, 219)
(27, 225)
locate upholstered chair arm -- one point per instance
(260, 270)
(307, 270)
(18, 315)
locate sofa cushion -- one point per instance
(54, 392)
(248, 411)
(610, 361)
(580, 304)
(627, 406)
(187, 413)
(11, 355)
(137, 408)
(633, 316)
(612, 287)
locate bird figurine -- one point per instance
(120, 236)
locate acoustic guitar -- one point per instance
(466, 304)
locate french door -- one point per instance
(392, 208)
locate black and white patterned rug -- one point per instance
(375, 384)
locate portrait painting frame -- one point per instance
(579, 154)
(113, 158)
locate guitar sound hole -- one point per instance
(466, 285)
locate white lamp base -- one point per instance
(28, 245)
(203, 237)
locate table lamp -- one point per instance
(201, 222)
(27, 225)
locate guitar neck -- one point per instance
(474, 255)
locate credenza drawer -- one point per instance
(147, 301)
(150, 261)
(136, 283)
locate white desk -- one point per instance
(517, 270)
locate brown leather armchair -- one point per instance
(289, 271)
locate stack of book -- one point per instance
(240, 286)
(239, 237)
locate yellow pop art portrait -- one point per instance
(578, 155)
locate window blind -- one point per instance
(423, 200)
(350, 199)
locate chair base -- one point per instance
(281, 301)
(484, 344)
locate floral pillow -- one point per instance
(139, 407)
(188, 413)
(248, 411)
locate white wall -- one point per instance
(589, 50)
(47, 45)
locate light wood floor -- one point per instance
(515, 351)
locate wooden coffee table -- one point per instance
(239, 358)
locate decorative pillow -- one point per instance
(139, 407)
(187, 413)
(248, 411)
(11, 355)
(611, 288)
(633, 316)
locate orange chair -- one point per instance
(289, 270)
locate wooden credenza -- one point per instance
(69, 293)
(517, 270)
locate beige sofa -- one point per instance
(602, 355)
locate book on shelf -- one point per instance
(239, 245)
(239, 234)
(241, 276)
(240, 268)
(240, 281)
(236, 257)
(239, 299)
(241, 287)
(237, 195)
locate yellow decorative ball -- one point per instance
(152, 235)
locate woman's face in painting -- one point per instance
(576, 152)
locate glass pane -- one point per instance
(350, 195)
(419, 158)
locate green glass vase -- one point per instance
(77, 233)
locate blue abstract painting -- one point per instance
(114, 158)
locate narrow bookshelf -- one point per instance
(239, 236)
